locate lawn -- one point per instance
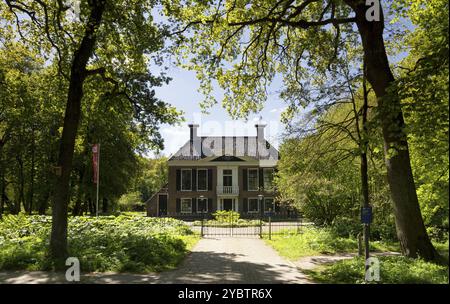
(316, 241)
(393, 269)
(124, 243)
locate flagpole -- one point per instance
(98, 178)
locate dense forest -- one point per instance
(367, 105)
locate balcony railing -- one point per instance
(227, 190)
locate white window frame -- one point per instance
(264, 178)
(257, 179)
(181, 180)
(206, 210)
(202, 169)
(231, 174)
(264, 204)
(248, 204)
(181, 204)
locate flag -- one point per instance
(95, 156)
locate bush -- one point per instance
(346, 227)
(130, 202)
(350, 227)
(223, 216)
(122, 243)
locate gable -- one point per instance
(225, 158)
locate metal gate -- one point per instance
(249, 225)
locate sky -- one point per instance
(182, 92)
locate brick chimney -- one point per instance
(194, 140)
(261, 142)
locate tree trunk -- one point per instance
(105, 205)
(2, 191)
(43, 203)
(21, 176)
(58, 240)
(32, 172)
(364, 169)
(411, 231)
(91, 206)
(78, 203)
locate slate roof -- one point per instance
(215, 146)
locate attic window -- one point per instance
(267, 145)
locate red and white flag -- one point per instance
(95, 156)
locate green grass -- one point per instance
(312, 241)
(126, 243)
(317, 241)
(393, 270)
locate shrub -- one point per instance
(223, 216)
(130, 202)
(122, 243)
(346, 227)
(350, 227)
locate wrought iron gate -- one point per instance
(249, 225)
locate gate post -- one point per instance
(270, 227)
(231, 223)
(260, 226)
(202, 224)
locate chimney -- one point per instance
(193, 131)
(194, 140)
(260, 131)
(261, 142)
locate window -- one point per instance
(202, 179)
(252, 180)
(269, 205)
(186, 205)
(253, 205)
(202, 205)
(268, 178)
(228, 178)
(186, 179)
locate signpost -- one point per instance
(366, 219)
(366, 215)
(96, 171)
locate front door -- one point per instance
(162, 204)
(227, 204)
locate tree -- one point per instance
(243, 45)
(111, 41)
(153, 175)
(423, 87)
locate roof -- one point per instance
(216, 146)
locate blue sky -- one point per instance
(182, 92)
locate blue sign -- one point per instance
(366, 215)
